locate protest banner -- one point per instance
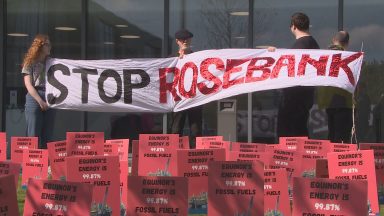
(3, 146)
(356, 165)
(329, 197)
(378, 154)
(135, 158)
(57, 152)
(150, 195)
(35, 165)
(276, 198)
(175, 84)
(18, 144)
(57, 198)
(102, 172)
(10, 168)
(193, 164)
(85, 143)
(123, 147)
(8, 197)
(235, 188)
(157, 154)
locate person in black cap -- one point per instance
(183, 40)
(195, 114)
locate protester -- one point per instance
(297, 101)
(337, 101)
(195, 114)
(37, 112)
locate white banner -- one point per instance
(173, 84)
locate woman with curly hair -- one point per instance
(36, 108)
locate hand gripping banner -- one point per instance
(173, 84)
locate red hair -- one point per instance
(35, 49)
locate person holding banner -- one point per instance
(297, 101)
(336, 101)
(36, 109)
(195, 114)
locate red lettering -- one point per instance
(320, 65)
(204, 72)
(164, 86)
(192, 92)
(338, 63)
(231, 68)
(282, 63)
(264, 68)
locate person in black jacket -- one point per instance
(195, 114)
(297, 101)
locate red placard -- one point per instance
(215, 144)
(356, 165)
(135, 158)
(312, 150)
(123, 185)
(378, 152)
(246, 156)
(102, 173)
(314, 147)
(157, 154)
(329, 197)
(8, 198)
(10, 168)
(276, 199)
(343, 147)
(290, 142)
(235, 188)
(322, 168)
(111, 149)
(200, 140)
(18, 144)
(184, 142)
(35, 165)
(52, 197)
(158, 196)
(291, 160)
(85, 143)
(3, 146)
(123, 147)
(193, 164)
(247, 147)
(57, 152)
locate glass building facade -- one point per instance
(116, 29)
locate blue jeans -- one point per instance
(39, 123)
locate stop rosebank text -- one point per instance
(203, 77)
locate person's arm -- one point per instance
(32, 91)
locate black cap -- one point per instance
(183, 34)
